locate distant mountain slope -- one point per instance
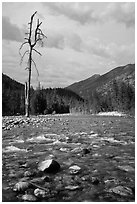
(12, 96)
(82, 86)
(8, 83)
(101, 83)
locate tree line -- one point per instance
(120, 97)
(42, 101)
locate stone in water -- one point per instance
(74, 169)
(49, 166)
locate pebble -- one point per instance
(95, 146)
(29, 197)
(86, 151)
(111, 181)
(21, 186)
(94, 180)
(68, 162)
(72, 188)
(41, 193)
(121, 190)
(28, 174)
(74, 169)
(127, 168)
(13, 149)
(96, 155)
(46, 178)
(67, 180)
(19, 121)
(12, 174)
(76, 150)
(64, 149)
(24, 179)
(37, 180)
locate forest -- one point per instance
(119, 97)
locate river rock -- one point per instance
(29, 197)
(121, 190)
(67, 180)
(72, 188)
(94, 180)
(28, 174)
(77, 149)
(126, 168)
(21, 186)
(49, 166)
(46, 178)
(74, 169)
(12, 174)
(63, 149)
(86, 151)
(41, 193)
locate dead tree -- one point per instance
(34, 36)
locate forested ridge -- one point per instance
(103, 82)
(114, 91)
(43, 101)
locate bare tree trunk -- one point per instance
(29, 80)
(26, 100)
(32, 41)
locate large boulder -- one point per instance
(49, 166)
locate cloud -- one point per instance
(91, 46)
(73, 41)
(122, 54)
(84, 13)
(95, 47)
(119, 12)
(62, 40)
(80, 12)
(10, 31)
(55, 40)
(11, 61)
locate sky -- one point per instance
(83, 39)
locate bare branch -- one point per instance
(22, 46)
(41, 33)
(36, 30)
(27, 51)
(37, 186)
(26, 39)
(37, 52)
(33, 16)
(30, 29)
(40, 24)
(33, 45)
(35, 66)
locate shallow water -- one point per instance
(102, 146)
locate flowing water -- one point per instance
(102, 146)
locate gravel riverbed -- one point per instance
(96, 157)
